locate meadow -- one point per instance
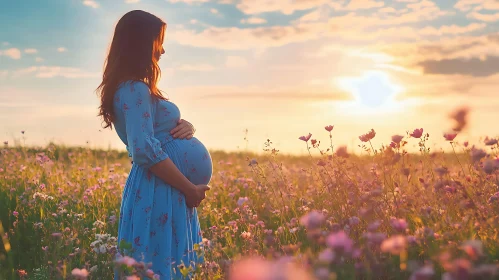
(385, 214)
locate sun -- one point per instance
(373, 90)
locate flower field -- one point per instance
(386, 214)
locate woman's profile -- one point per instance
(169, 175)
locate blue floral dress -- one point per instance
(154, 216)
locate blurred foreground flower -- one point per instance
(342, 152)
(312, 219)
(259, 269)
(460, 116)
(79, 273)
(394, 245)
(340, 241)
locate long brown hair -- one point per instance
(137, 40)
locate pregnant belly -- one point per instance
(192, 158)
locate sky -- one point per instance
(278, 69)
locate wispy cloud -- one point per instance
(190, 2)
(250, 92)
(364, 4)
(91, 3)
(471, 67)
(284, 6)
(132, 1)
(13, 53)
(484, 17)
(30, 51)
(253, 20)
(62, 49)
(451, 29)
(196, 67)
(54, 71)
(467, 5)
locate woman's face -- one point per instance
(162, 50)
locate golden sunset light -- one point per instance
(249, 139)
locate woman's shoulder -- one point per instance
(133, 85)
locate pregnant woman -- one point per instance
(169, 175)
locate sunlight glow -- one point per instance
(371, 90)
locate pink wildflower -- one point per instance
(329, 128)
(398, 224)
(417, 133)
(424, 273)
(312, 219)
(395, 244)
(321, 163)
(473, 248)
(397, 138)
(305, 138)
(126, 260)
(246, 235)
(490, 142)
(368, 136)
(342, 152)
(450, 136)
(327, 255)
(340, 241)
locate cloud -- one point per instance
(91, 3)
(39, 59)
(62, 49)
(13, 53)
(132, 1)
(347, 27)
(236, 62)
(284, 6)
(462, 47)
(471, 67)
(54, 71)
(322, 13)
(251, 92)
(30, 51)
(213, 11)
(451, 29)
(466, 5)
(189, 2)
(484, 17)
(197, 67)
(253, 20)
(233, 38)
(364, 4)
(476, 5)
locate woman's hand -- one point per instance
(195, 195)
(184, 129)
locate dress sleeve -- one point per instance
(137, 104)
